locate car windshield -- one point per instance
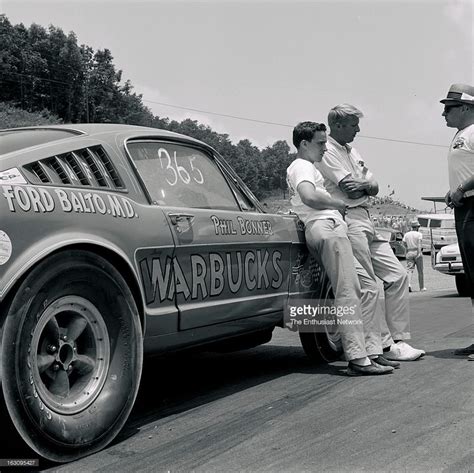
(450, 224)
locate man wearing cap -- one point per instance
(412, 240)
(459, 113)
(348, 178)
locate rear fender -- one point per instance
(38, 251)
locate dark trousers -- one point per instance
(464, 217)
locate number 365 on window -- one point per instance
(176, 172)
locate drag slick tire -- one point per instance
(72, 355)
(325, 345)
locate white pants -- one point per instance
(327, 240)
(377, 258)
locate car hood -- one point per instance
(450, 249)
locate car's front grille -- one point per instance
(448, 258)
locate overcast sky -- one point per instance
(288, 61)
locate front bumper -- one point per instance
(449, 267)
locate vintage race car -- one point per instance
(119, 241)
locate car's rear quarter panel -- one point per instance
(41, 219)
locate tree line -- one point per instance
(47, 73)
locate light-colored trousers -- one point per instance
(377, 258)
(415, 259)
(327, 240)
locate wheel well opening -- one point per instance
(113, 258)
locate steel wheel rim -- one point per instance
(69, 355)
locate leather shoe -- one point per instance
(381, 360)
(369, 370)
(465, 351)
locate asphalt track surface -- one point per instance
(270, 409)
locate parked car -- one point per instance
(119, 241)
(437, 230)
(395, 238)
(448, 261)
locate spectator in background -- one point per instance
(348, 178)
(412, 240)
(459, 113)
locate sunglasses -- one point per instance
(447, 108)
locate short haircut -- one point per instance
(341, 112)
(306, 131)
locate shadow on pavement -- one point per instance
(175, 384)
(447, 354)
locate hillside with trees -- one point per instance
(46, 77)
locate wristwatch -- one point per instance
(461, 189)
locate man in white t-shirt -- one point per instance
(412, 240)
(348, 178)
(326, 238)
(459, 113)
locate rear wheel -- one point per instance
(324, 346)
(71, 355)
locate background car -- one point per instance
(395, 238)
(119, 241)
(437, 229)
(448, 261)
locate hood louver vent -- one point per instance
(89, 167)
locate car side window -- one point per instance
(181, 176)
(244, 202)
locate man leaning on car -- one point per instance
(326, 237)
(348, 178)
(459, 113)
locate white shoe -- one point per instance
(423, 289)
(401, 351)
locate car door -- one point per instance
(231, 260)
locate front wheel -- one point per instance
(71, 355)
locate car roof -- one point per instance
(19, 139)
(437, 216)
